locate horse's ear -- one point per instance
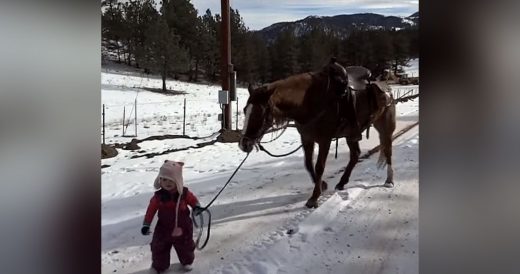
(250, 88)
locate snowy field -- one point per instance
(158, 114)
(413, 68)
(363, 229)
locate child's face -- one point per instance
(168, 184)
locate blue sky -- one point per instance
(258, 14)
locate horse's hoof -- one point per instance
(340, 187)
(311, 204)
(324, 185)
(389, 184)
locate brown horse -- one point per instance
(312, 101)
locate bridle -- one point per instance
(255, 139)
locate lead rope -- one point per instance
(205, 209)
(200, 226)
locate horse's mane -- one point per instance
(279, 120)
(277, 94)
(264, 94)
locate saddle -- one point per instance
(379, 98)
(358, 80)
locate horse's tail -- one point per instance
(385, 151)
(381, 162)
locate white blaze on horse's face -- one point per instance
(245, 144)
(248, 114)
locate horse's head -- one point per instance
(258, 118)
(338, 78)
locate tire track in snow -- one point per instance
(270, 255)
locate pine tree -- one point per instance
(163, 52)
(113, 28)
(382, 52)
(261, 60)
(210, 45)
(400, 52)
(139, 16)
(182, 18)
(284, 55)
(242, 52)
(316, 48)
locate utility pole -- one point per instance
(226, 60)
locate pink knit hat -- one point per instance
(171, 170)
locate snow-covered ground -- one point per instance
(413, 68)
(364, 229)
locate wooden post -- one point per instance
(123, 121)
(226, 59)
(103, 124)
(184, 119)
(135, 114)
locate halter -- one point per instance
(263, 129)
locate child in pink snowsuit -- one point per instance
(174, 226)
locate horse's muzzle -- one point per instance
(246, 144)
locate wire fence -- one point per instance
(179, 116)
(190, 117)
(404, 92)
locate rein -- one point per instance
(277, 137)
(259, 144)
(277, 156)
(206, 209)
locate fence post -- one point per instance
(184, 119)
(103, 124)
(123, 121)
(135, 114)
(236, 127)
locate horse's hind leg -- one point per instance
(385, 156)
(385, 139)
(355, 151)
(320, 168)
(308, 150)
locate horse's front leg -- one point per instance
(355, 151)
(320, 168)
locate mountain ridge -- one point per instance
(340, 25)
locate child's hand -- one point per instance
(145, 230)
